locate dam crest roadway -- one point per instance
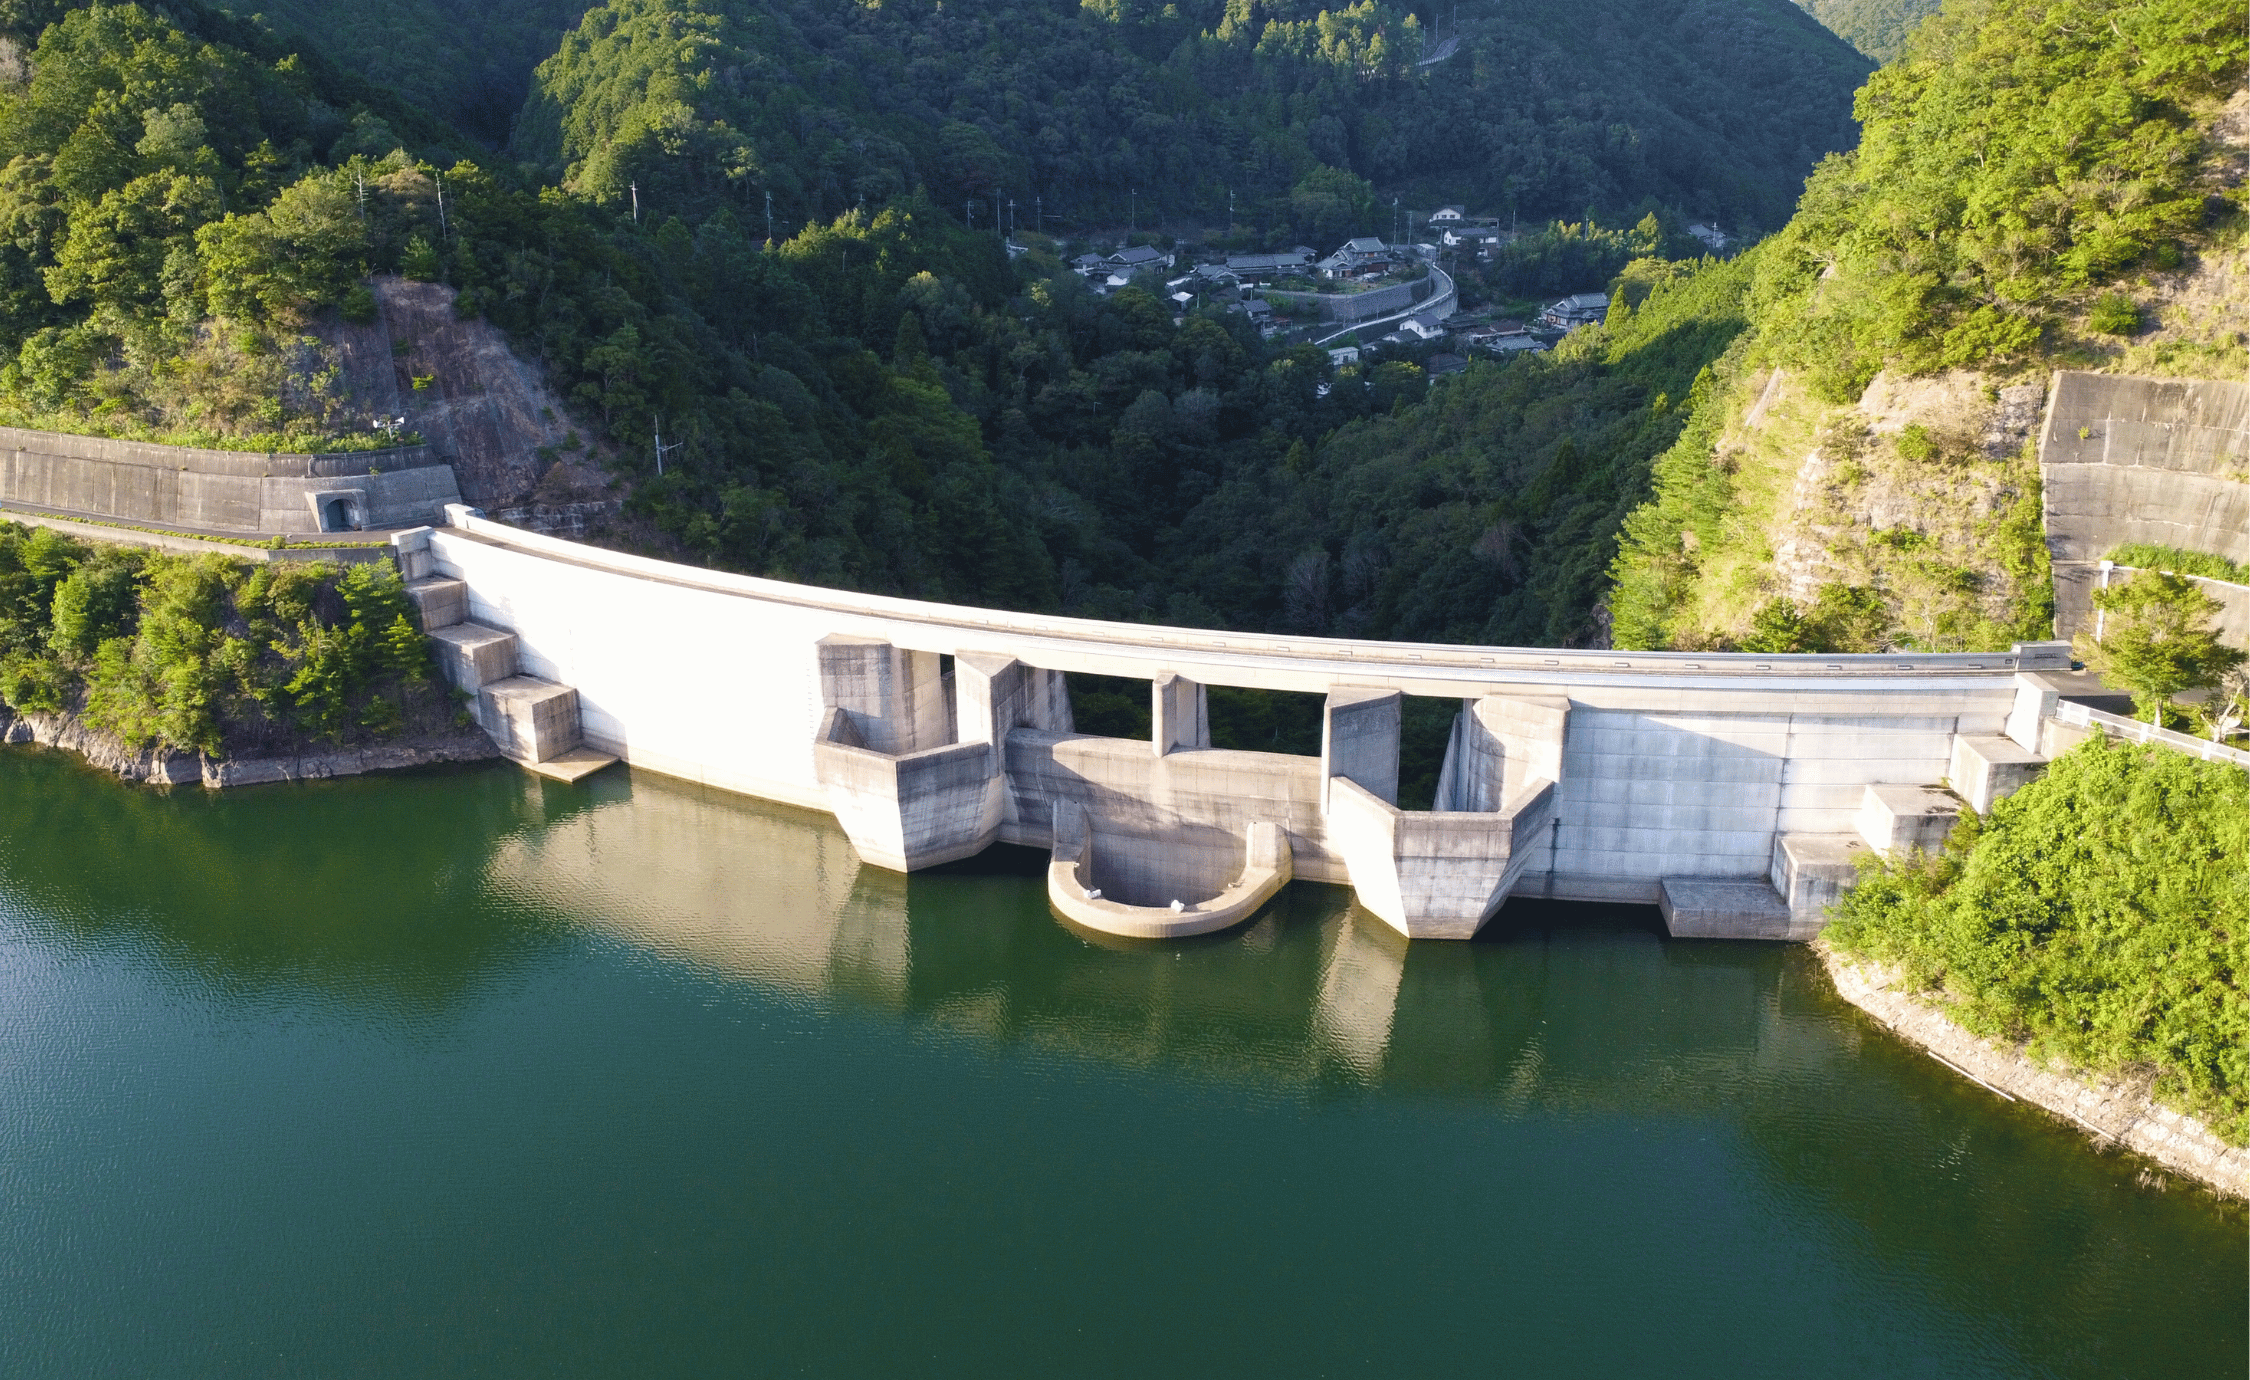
(1734, 791)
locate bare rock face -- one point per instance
(163, 767)
(478, 406)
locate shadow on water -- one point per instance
(365, 890)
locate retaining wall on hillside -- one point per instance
(250, 492)
(1362, 306)
(2163, 461)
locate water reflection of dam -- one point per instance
(1313, 991)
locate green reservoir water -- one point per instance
(471, 1074)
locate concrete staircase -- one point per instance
(534, 722)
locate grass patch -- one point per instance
(2149, 556)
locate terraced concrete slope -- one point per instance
(2135, 460)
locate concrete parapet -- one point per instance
(1986, 768)
(531, 720)
(1435, 875)
(909, 810)
(1162, 886)
(1811, 871)
(1896, 819)
(440, 602)
(473, 656)
(1359, 736)
(2057, 737)
(1722, 908)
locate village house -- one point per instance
(1261, 268)
(1711, 235)
(1475, 238)
(1361, 254)
(1447, 215)
(1578, 309)
(1132, 260)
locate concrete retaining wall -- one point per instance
(2121, 460)
(220, 490)
(1362, 306)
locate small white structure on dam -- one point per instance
(1734, 791)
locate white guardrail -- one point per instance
(2118, 726)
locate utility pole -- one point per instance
(1230, 213)
(360, 180)
(1039, 203)
(441, 228)
(769, 217)
(1133, 212)
(1011, 218)
(661, 448)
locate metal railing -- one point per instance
(2118, 726)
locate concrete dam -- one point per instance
(1734, 791)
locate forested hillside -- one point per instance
(1717, 107)
(468, 61)
(885, 400)
(2039, 184)
(1877, 28)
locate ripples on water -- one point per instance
(471, 1074)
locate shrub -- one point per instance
(358, 306)
(2156, 637)
(2097, 915)
(2149, 556)
(2114, 313)
(1916, 443)
(188, 652)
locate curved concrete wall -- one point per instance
(2163, 461)
(1671, 764)
(220, 490)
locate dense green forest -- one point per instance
(211, 654)
(2030, 170)
(2097, 915)
(884, 400)
(1713, 106)
(467, 61)
(1877, 28)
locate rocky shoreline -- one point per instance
(2116, 1112)
(161, 767)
